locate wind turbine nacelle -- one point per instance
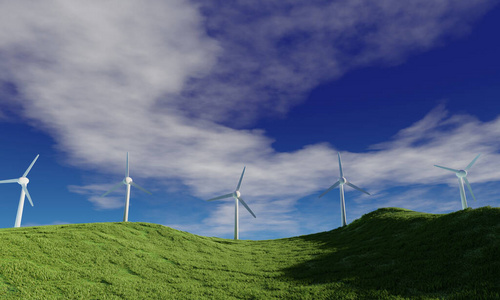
(461, 173)
(237, 194)
(127, 180)
(342, 180)
(23, 181)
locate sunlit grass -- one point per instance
(391, 253)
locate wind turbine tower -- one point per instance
(340, 183)
(237, 198)
(462, 176)
(128, 182)
(23, 182)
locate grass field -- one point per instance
(391, 253)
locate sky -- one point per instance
(196, 90)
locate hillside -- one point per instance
(390, 253)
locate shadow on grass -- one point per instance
(410, 254)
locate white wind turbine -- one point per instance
(126, 181)
(23, 181)
(237, 197)
(462, 176)
(340, 183)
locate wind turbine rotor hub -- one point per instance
(342, 180)
(237, 194)
(127, 180)
(461, 173)
(23, 180)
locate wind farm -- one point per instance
(236, 194)
(134, 119)
(375, 257)
(281, 92)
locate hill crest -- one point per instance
(390, 253)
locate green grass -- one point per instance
(390, 253)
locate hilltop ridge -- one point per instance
(390, 253)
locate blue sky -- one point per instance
(195, 90)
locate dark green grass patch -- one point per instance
(390, 253)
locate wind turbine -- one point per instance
(237, 197)
(462, 176)
(340, 183)
(128, 182)
(23, 181)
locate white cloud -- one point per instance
(436, 139)
(94, 192)
(94, 63)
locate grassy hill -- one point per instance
(390, 253)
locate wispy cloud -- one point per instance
(94, 193)
(273, 52)
(274, 183)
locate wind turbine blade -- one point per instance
(449, 169)
(358, 188)
(221, 197)
(470, 189)
(25, 189)
(29, 168)
(340, 165)
(246, 206)
(241, 178)
(472, 162)
(126, 168)
(141, 188)
(336, 184)
(113, 188)
(9, 181)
